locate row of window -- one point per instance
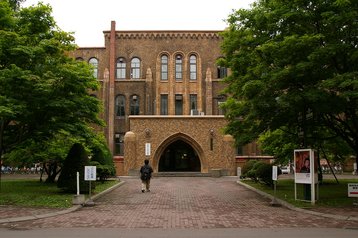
(193, 102)
(120, 104)
(135, 68)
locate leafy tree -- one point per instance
(294, 66)
(279, 144)
(43, 92)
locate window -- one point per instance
(135, 68)
(178, 68)
(119, 143)
(178, 104)
(193, 104)
(121, 68)
(192, 66)
(79, 59)
(221, 110)
(164, 68)
(134, 105)
(164, 104)
(94, 63)
(120, 106)
(222, 72)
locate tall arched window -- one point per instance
(193, 67)
(120, 106)
(164, 68)
(94, 63)
(134, 104)
(135, 68)
(121, 68)
(178, 67)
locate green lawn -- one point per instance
(32, 193)
(331, 194)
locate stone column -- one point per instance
(229, 154)
(209, 93)
(130, 153)
(112, 61)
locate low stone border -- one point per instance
(290, 206)
(71, 209)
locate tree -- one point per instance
(44, 93)
(294, 66)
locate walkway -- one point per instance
(182, 203)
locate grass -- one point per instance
(33, 193)
(331, 194)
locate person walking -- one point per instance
(145, 175)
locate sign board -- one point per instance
(147, 149)
(274, 173)
(305, 166)
(306, 173)
(90, 173)
(353, 190)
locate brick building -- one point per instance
(161, 94)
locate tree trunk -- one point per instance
(52, 172)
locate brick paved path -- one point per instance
(185, 203)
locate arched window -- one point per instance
(120, 106)
(134, 104)
(94, 63)
(121, 68)
(164, 68)
(193, 67)
(178, 67)
(135, 68)
(79, 59)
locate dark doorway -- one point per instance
(179, 157)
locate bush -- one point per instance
(258, 171)
(75, 162)
(103, 171)
(264, 173)
(247, 167)
(103, 161)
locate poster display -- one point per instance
(305, 166)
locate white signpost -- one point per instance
(90, 175)
(274, 179)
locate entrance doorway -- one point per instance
(179, 156)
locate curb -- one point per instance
(71, 209)
(291, 207)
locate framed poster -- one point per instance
(305, 166)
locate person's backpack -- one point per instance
(146, 173)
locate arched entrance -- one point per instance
(179, 156)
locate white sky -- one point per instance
(89, 18)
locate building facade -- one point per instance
(161, 93)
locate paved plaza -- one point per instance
(183, 203)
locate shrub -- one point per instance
(75, 161)
(103, 161)
(247, 167)
(264, 173)
(103, 171)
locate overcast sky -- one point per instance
(89, 18)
